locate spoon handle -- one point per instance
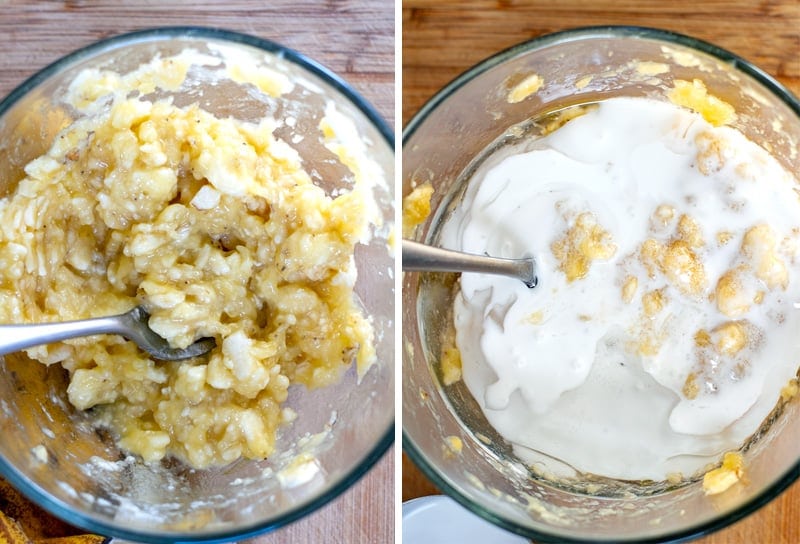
(421, 257)
(17, 337)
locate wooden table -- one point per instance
(354, 38)
(442, 39)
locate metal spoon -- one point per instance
(132, 325)
(422, 257)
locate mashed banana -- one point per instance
(215, 227)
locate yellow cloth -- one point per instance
(22, 522)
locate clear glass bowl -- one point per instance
(438, 146)
(347, 426)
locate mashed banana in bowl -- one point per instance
(214, 225)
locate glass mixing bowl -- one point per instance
(439, 146)
(344, 428)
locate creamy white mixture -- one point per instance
(665, 322)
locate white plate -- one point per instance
(441, 520)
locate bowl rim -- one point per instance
(155, 34)
(564, 36)
(604, 31)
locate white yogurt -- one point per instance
(570, 370)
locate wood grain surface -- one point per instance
(354, 38)
(441, 39)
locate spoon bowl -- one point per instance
(133, 325)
